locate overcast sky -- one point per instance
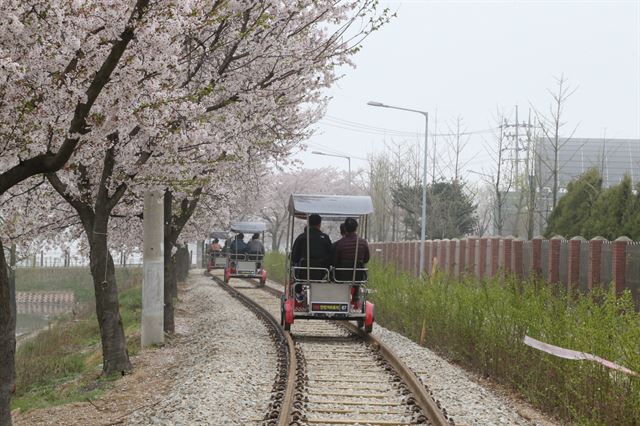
(470, 58)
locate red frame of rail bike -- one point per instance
(342, 306)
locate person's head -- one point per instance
(240, 236)
(315, 220)
(255, 236)
(350, 225)
(215, 241)
(342, 230)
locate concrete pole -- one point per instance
(153, 265)
(199, 253)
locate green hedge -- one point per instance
(481, 325)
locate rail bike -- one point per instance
(217, 259)
(326, 292)
(245, 265)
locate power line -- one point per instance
(329, 120)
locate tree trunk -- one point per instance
(169, 266)
(181, 261)
(7, 340)
(115, 356)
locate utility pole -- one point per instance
(12, 280)
(200, 253)
(435, 142)
(517, 143)
(153, 264)
(531, 181)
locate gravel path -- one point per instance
(226, 366)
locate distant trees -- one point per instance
(551, 126)
(589, 210)
(451, 212)
(395, 185)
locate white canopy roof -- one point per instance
(248, 227)
(219, 234)
(330, 205)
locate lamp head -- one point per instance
(376, 104)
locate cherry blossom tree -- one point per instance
(201, 92)
(56, 59)
(274, 197)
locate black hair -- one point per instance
(342, 230)
(240, 236)
(215, 240)
(315, 220)
(350, 224)
(255, 236)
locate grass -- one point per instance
(63, 364)
(480, 325)
(76, 279)
(274, 264)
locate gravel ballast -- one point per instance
(466, 400)
(226, 367)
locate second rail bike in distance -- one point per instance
(326, 293)
(245, 265)
(217, 259)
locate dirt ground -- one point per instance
(143, 388)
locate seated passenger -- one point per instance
(227, 244)
(344, 253)
(238, 246)
(319, 255)
(255, 248)
(342, 234)
(215, 248)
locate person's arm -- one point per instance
(295, 255)
(336, 254)
(366, 251)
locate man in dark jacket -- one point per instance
(319, 255)
(344, 252)
(238, 245)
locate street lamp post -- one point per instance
(423, 221)
(339, 156)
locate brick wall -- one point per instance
(578, 264)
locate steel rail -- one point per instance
(285, 406)
(423, 398)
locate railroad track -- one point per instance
(335, 374)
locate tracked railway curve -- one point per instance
(281, 405)
(337, 374)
